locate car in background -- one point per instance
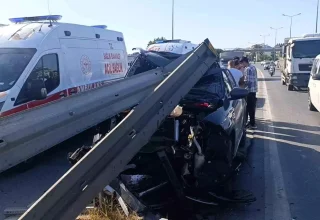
(314, 86)
(262, 63)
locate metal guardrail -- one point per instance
(26, 134)
(72, 192)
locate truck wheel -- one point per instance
(290, 87)
(310, 105)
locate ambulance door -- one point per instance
(81, 64)
(45, 76)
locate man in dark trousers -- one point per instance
(251, 82)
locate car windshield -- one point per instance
(12, 64)
(306, 49)
(209, 88)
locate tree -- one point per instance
(156, 39)
(256, 51)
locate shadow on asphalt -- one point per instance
(301, 91)
(304, 137)
(298, 148)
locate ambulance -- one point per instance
(42, 62)
(56, 81)
(172, 46)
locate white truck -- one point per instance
(297, 59)
(57, 80)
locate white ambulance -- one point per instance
(57, 80)
(172, 46)
(44, 62)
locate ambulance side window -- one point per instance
(46, 69)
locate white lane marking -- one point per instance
(310, 146)
(277, 205)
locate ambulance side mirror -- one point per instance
(37, 90)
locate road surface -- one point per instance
(284, 157)
(23, 185)
(283, 169)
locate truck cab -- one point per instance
(297, 60)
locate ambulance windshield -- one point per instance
(13, 61)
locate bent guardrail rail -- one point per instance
(72, 192)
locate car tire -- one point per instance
(310, 105)
(290, 87)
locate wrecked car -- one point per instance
(190, 157)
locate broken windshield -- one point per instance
(13, 61)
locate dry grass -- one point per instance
(109, 210)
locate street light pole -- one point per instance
(291, 16)
(172, 19)
(317, 16)
(275, 40)
(264, 38)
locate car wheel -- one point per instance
(310, 105)
(290, 87)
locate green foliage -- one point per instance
(156, 39)
(219, 51)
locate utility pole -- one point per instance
(275, 40)
(291, 16)
(317, 17)
(172, 19)
(264, 38)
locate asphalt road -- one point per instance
(23, 185)
(283, 169)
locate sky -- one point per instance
(227, 23)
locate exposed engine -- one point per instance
(185, 159)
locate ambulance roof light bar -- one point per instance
(36, 18)
(171, 41)
(100, 26)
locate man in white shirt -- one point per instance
(234, 66)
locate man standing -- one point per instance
(233, 66)
(251, 82)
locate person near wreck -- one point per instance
(234, 66)
(251, 83)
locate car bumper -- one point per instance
(299, 79)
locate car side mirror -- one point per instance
(37, 90)
(238, 93)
